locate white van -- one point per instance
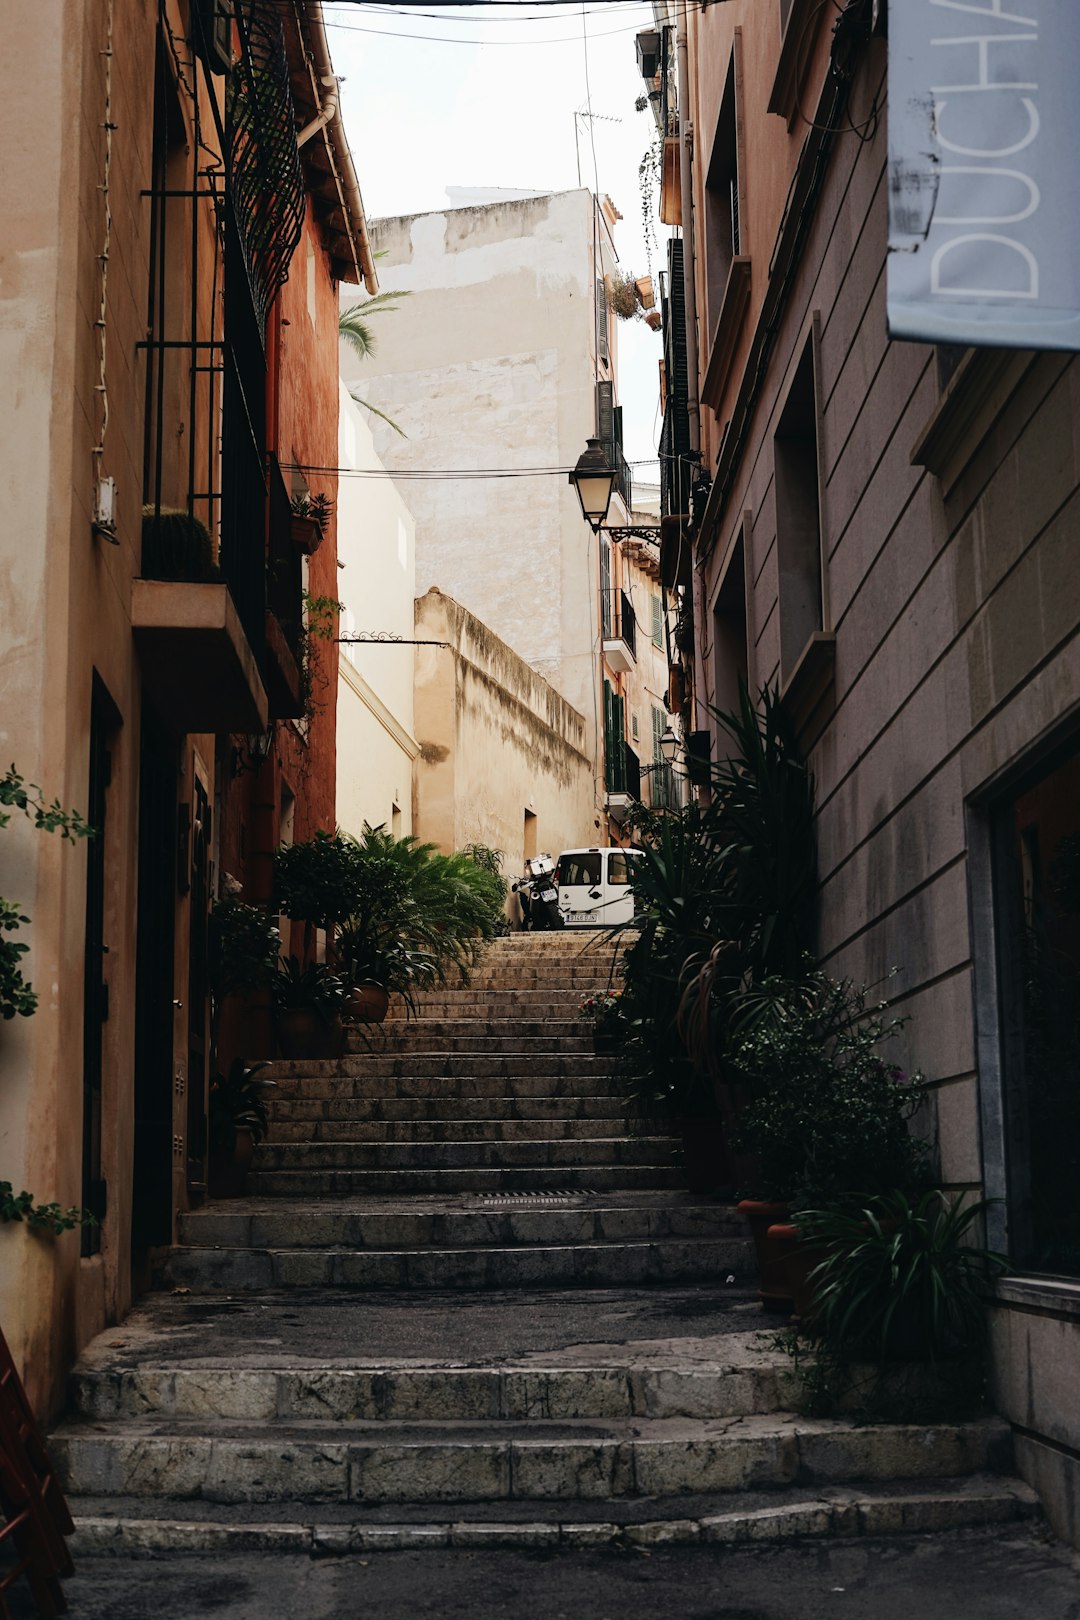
(594, 886)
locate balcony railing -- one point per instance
(618, 620)
(622, 770)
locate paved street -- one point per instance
(964, 1575)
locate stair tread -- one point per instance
(528, 1432)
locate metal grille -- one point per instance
(266, 184)
(534, 1200)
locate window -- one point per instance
(656, 619)
(618, 871)
(723, 207)
(798, 515)
(729, 635)
(614, 740)
(529, 835)
(602, 349)
(581, 870)
(1037, 896)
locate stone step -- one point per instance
(510, 1039)
(318, 1184)
(580, 1265)
(335, 1461)
(740, 1379)
(339, 1087)
(422, 1223)
(538, 1029)
(133, 1528)
(461, 1065)
(448, 1002)
(545, 1152)
(429, 1109)
(443, 1130)
(564, 974)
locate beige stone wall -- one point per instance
(496, 740)
(491, 363)
(376, 543)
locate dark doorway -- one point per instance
(154, 990)
(104, 724)
(1037, 882)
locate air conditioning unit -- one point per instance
(214, 33)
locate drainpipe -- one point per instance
(686, 199)
(327, 113)
(320, 68)
(693, 408)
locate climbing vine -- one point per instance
(17, 997)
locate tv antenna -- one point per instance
(592, 118)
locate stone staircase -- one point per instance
(463, 1305)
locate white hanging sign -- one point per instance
(984, 172)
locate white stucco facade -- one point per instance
(491, 363)
(376, 544)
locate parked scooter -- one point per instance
(538, 895)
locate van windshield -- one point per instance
(582, 868)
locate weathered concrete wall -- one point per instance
(376, 543)
(496, 740)
(954, 596)
(490, 363)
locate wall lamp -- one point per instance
(594, 479)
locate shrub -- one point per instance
(826, 1116)
(900, 1279)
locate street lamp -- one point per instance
(669, 747)
(594, 479)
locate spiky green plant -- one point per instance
(900, 1279)
(353, 327)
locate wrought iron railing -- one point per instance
(622, 770)
(618, 619)
(265, 183)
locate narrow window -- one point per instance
(723, 212)
(798, 516)
(729, 637)
(529, 840)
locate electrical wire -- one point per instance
(374, 8)
(449, 39)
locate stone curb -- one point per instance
(841, 1515)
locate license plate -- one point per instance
(580, 916)
(549, 894)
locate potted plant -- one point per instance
(177, 546)
(310, 520)
(238, 1123)
(602, 1009)
(308, 1001)
(899, 1278)
(826, 1117)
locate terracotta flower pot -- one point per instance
(794, 1262)
(227, 1172)
(307, 534)
(367, 1003)
(773, 1284)
(303, 1033)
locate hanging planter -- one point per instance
(310, 521)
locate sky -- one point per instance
(485, 95)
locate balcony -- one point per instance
(197, 663)
(618, 624)
(622, 780)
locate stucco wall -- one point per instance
(490, 363)
(495, 740)
(376, 543)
